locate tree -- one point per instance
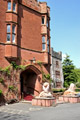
(68, 70)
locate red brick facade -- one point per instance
(29, 30)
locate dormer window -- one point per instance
(9, 6)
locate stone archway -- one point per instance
(31, 80)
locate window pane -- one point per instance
(8, 28)
(13, 38)
(43, 20)
(9, 5)
(43, 46)
(8, 37)
(43, 39)
(13, 29)
(48, 48)
(47, 23)
(14, 7)
(47, 42)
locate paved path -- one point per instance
(25, 111)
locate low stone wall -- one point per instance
(69, 99)
(46, 102)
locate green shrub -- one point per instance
(78, 85)
(56, 90)
(0, 92)
(77, 89)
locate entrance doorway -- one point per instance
(30, 82)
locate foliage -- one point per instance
(0, 92)
(47, 77)
(7, 70)
(68, 71)
(78, 84)
(39, 63)
(11, 88)
(77, 72)
(77, 89)
(1, 80)
(14, 65)
(22, 67)
(58, 90)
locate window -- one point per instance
(8, 32)
(47, 23)
(13, 33)
(48, 45)
(14, 7)
(43, 43)
(57, 64)
(58, 74)
(43, 20)
(9, 5)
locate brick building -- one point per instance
(56, 68)
(25, 36)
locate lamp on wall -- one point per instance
(33, 60)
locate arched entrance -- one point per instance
(30, 81)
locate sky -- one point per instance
(65, 27)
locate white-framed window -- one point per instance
(43, 20)
(8, 32)
(48, 45)
(13, 33)
(43, 43)
(9, 6)
(14, 7)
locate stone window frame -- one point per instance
(12, 3)
(11, 33)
